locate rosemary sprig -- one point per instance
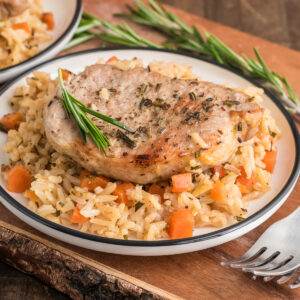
(181, 36)
(80, 113)
(117, 34)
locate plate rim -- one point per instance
(171, 242)
(51, 46)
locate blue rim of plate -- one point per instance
(172, 242)
(52, 45)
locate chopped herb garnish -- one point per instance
(239, 218)
(89, 176)
(138, 205)
(192, 96)
(196, 115)
(161, 104)
(112, 90)
(34, 78)
(197, 153)
(18, 96)
(145, 102)
(240, 126)
(170, 181)
(143, 88)
(231, 102)
(57, 212)
(36, 149)
(239, 140)
(194, 177)
(244, 209)
(129, 142)
(195, 168)
(157, 87)
(161, 130)
(125, 237)
(273, 134)
(142, 129)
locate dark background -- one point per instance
(274, 20)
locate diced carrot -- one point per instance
(77, 217)
(247, 183)
(157, 189)
(181, 224)
(182, 182)
(113, 58)
(216, 192)
(22, 26)
(31, 195)
(10, 121)
(269, 160)
(120, 191)
(18, 179)
(89, 181)
(220, 170)
(48, 18)
(65, 74)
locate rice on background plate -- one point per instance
(55, 188)
(17, 45)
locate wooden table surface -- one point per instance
(195, 275)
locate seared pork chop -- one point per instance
(12, 8)
(173, 120)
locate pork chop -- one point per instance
(174, 120)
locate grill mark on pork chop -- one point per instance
(162, 122)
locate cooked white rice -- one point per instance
(56, 177)
(19, 45)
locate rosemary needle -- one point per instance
(80, 113)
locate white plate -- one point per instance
(67, 14)
(283, 180)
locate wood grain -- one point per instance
(275, 20)
(196, 275)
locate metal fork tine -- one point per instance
(261, 262)
(251, 254)
(280, 271)
(286, 277)
(273, 264)
(275, 253)
(268, 278)
(295, 284)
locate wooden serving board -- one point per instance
(86, 274)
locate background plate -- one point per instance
(67, 14)
(284, 178)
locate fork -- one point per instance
(275, 253)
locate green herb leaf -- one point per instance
(138, 205)
(239, 218)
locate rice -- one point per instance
(56, 183)
(19, 45)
